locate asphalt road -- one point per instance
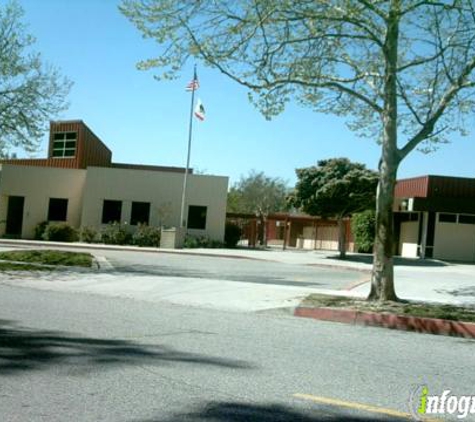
(230, 269)
(82, 357)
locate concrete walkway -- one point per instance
(415, 279)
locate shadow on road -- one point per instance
(23, 349)
(410, 262)
(163, 271)
(240, 412)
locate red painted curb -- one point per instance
(392, 321)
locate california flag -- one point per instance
(200, 110)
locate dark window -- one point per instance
(64, 144)
(140, 213)
(467, 219)
(408, 216)
(447, 218)
(58, 209)
(197, 217)
(111, 211)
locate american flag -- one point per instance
(194, 83)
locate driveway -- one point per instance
(238, 282)
(248, 280)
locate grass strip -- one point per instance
(12, 266)
(49, 257)
(405, 308)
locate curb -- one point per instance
(391, 321)
(103, 247)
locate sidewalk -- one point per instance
(415, 279)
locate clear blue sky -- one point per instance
(146, 122)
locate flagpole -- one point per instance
(185, 178)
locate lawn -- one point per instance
(405, 308)
(43, 257)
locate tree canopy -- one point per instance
(257, 194)
(335, 188)
(402, 72)
(31, 93)
(260, 195)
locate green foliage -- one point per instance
(335, 188)
(60, 232)
(47, 257)
(192, 242)
(40, 229)
(115, 234)
(232, 234)
(363, 228)
(89, 235)
(146, 236)
(402, 72)
(257, 194)
(31, 93)
(331, 59)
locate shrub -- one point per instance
(40, 229)
(115, 234)
(201, 242)
(60, 232)
(232, 234)
(89, 235)
(191, 242)
(146, 236)
(363, 228)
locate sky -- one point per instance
(144, 121)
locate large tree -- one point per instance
(260, 195)
(335, 188)
(401, 71)
(31, 93)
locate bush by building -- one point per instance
(60, 232)
(146, 236)
(363, 228)
(89, 235)
(115, 234)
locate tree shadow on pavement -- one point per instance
(244, 412)
(23, 349)
(163, 271)
(398, 260)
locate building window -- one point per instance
(408, 216)
(466, 219)
(111, 211)
(197, 217)
(140, 213)
(447, 218)
(64, 144)
(58, 209)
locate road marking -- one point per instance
(360, 406)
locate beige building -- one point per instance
(435, 218)
(78, 183)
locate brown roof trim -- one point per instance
(127, 166)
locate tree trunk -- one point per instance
(342, 237)
(264, 230)
(261, 229)
(382, 278)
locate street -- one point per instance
(85, 357)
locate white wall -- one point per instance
(38, 185)
(162, 190)
(454, 241)
(408, 239)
